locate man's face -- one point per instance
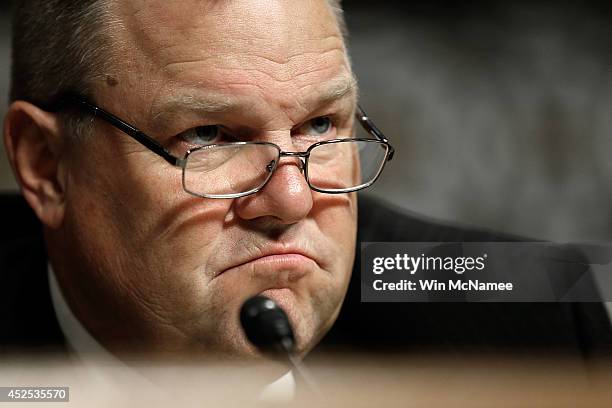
(154, 268)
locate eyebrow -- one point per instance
(335, 89)
(204, 103)
(183, 101)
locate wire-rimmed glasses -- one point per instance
(232, 170)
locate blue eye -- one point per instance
(320, 126)
(201, 135)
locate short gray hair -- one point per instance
(336, 6)
(58, 46)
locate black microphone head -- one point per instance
(267, 326)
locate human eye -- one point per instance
(321, 127)
(202, 135)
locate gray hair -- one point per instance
(336, 6)
(58, 46)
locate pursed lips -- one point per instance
(294, 262)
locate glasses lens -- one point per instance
(226, 170)
(347, 164)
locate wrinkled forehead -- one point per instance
(265, 44)
(277, 30)
(159, 20)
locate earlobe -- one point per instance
(34, 146)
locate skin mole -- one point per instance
(111, 81)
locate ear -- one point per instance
(34, 145)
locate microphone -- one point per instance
(267, 326)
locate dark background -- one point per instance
(501, 112)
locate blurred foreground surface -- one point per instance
(345, 381)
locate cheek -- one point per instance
(135, 211)
(339, 224)
(320, 300)
(336, 218)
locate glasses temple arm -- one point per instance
(130, 130)
(369, 125)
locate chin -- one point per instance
(302, 324)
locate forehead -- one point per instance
(276, 50)
(280, 21)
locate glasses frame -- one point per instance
(153, 145)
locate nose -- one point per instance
(286, 198)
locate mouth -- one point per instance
(278, 268)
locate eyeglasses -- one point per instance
(232, 170)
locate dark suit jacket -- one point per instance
(26, 312)
(29, 322)
(575, 328)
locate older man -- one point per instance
(207, 176)
(185, 156)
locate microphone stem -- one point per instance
(303, 373)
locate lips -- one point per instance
(284, 265)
